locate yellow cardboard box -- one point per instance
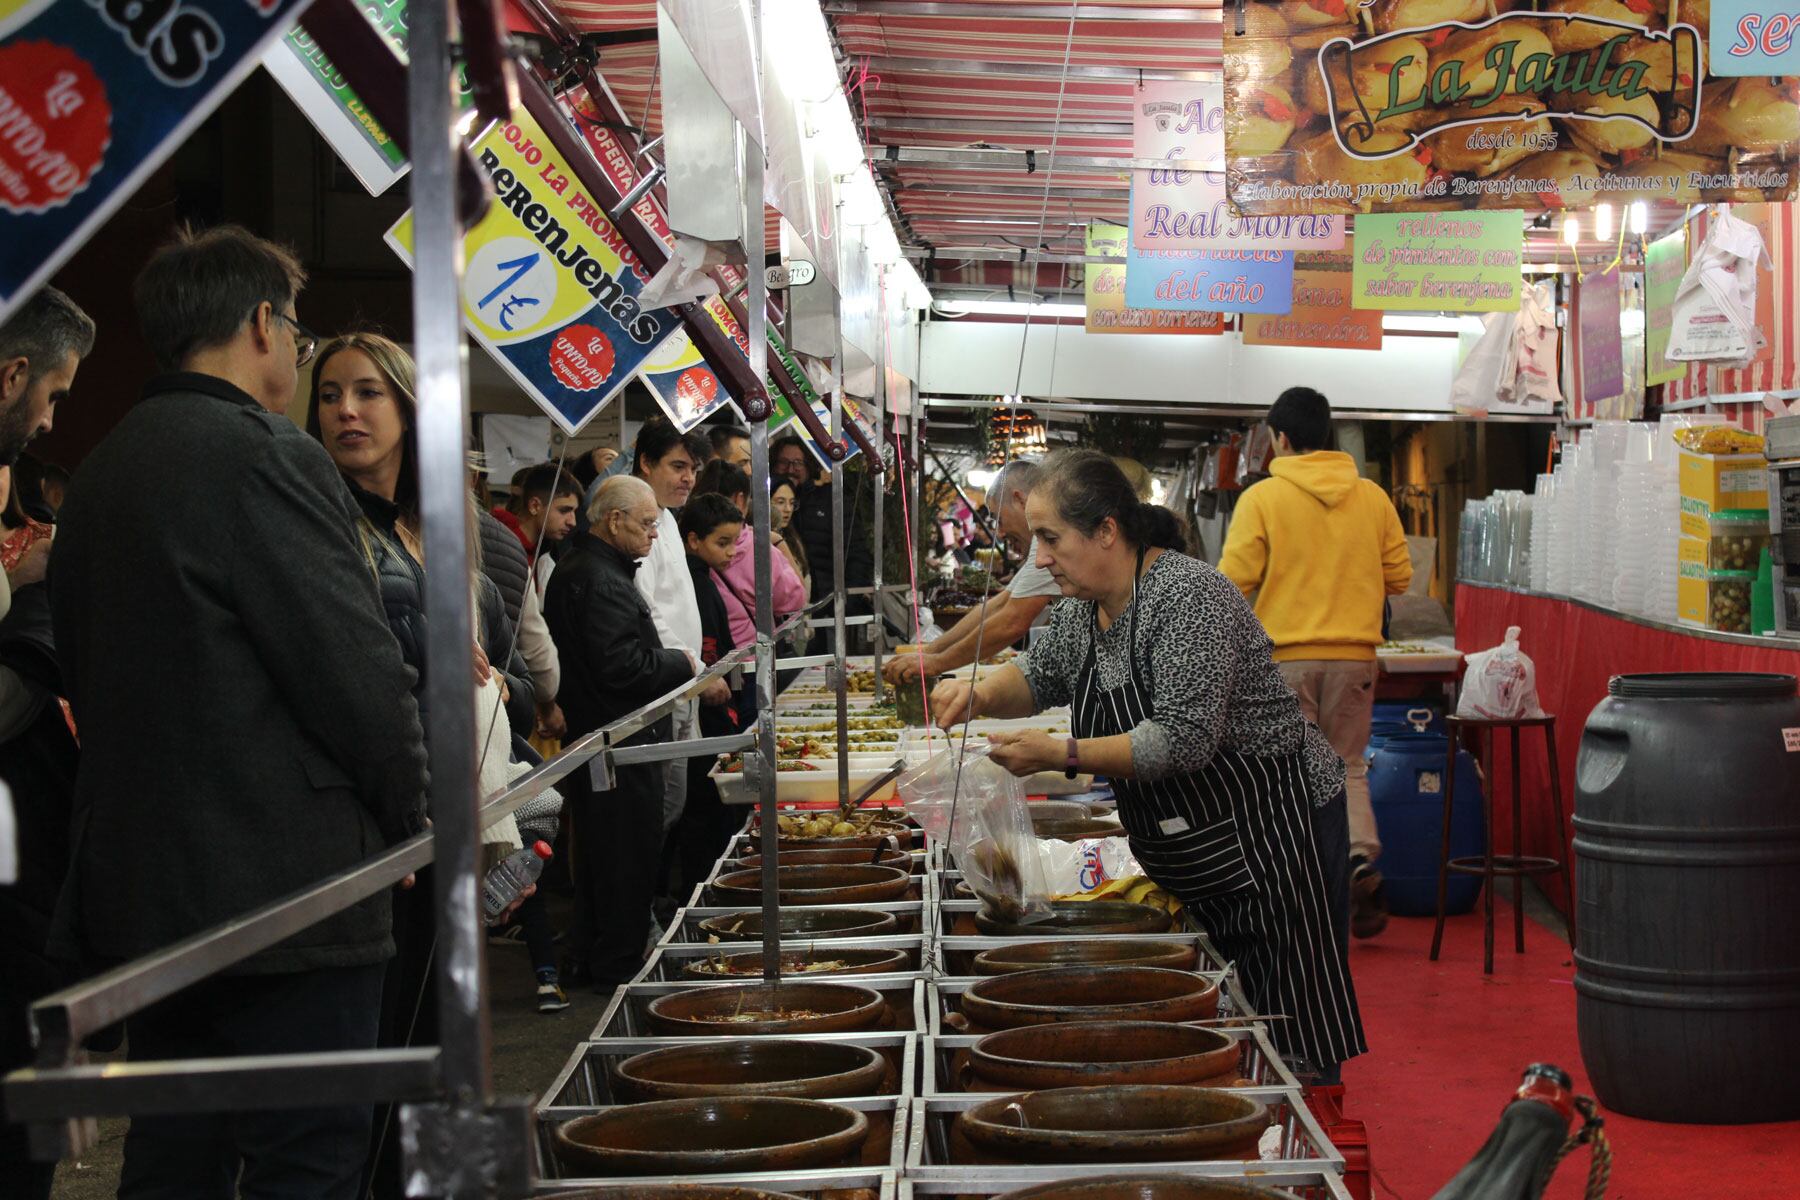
(1712, 482)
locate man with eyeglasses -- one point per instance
(247, 723)
(613, 662)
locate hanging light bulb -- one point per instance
(1640, 218)
(1603, 222)
(1572, 230)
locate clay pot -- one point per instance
(1074, 829)
(810, 885)
(880, 833)
(1139, 1187)
(749, 966)
(1088, 994)
(1149, 1123)
(1108, 952)
(821, 923)
(673, 1191)
(889, 857)
(1058, 810)
(792, 1008)
(1083, 917)
(754, 1067)
(1033, 1057)
(712, 1135)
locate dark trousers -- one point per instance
(704, 831)
(1331, 830)
(540, 934)
(316, 1153)
(19, 1176)
(408, 1018)
(617, 839)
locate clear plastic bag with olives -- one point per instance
(1728, 601)
(1737, 539)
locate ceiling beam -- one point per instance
(1027, 161)
(988, 68)
(1020, 12)
(998, 254)
(1027, 192)
(997, 126)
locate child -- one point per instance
(709, 529)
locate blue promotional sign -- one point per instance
(551, 287)
(1754, 37)
(94, 94)
(1235, 281)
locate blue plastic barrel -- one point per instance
(1406, 789)
(1402, 716)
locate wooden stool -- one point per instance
(1491, 865)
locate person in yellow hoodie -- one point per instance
(1319, 549)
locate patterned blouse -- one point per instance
(1205, 660)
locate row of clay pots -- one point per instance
(1068, 994)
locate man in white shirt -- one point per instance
(666, 459)
(1009, 613)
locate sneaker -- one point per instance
(551, 998)
(510, 935)
(1368, 906)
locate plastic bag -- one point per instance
(1528, 377)
(1715, 306)
(991, 840)
(1501, 684)
(1478, 379)
(1071, 868)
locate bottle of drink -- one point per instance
(516, 872)
(1516, 1162)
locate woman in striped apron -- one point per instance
(1233, 801)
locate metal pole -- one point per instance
(444, 509)
(916, 422)
(756, 312)
(879, 483)
(837, 528)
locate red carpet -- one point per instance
(1447, 1045)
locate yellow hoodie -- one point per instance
(1324, 548)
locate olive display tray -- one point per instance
(1303, 1145)
(667, 961)
(627, 1014)
(885, 1150)
(939, 1059)
(943, 995)
(915, 893)
(953, 955)
(685, 926)
(856, 1185)
(920, 865)
(585, 1082)
(1304, 1182)
(956, 915)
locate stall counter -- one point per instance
(1576, 647)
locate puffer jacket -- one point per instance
(503, 560)
(402, 584)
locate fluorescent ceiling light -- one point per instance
(1640, 217)
(1603, 222)
(1572, 230)
(1013, 308)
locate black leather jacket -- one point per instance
(612, 660)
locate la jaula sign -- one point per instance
(1335, 107)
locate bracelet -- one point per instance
(1074, 759)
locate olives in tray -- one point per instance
(1738, 551)
(1728, 606)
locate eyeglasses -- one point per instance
(306, 342)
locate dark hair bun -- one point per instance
(1153, 525)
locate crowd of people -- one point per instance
(212, 693)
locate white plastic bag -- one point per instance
(1528, 378)
(1478, 379)
(1715, 307)
(980, 815)
(1071, 868)
(1501, 684)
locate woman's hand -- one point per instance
(1028, 751)
(954, 702)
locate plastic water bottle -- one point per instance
(516, 872)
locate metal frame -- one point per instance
(1263, 1064)
(1029, 161)
(1083, 12)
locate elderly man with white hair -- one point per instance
(612, 663)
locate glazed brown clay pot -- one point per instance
(1083, 918)
(673, 1191)
(845, 962)
(753, 1067)
(747, 926)
(1137, 1187)
(1107, 952)
(785, 1008)
(889, 857)
(1033, 1057)
(880, 833)
(1074, 829)
(1088, 994)
(713, 1135)
(1148, 1123)
(811, 885)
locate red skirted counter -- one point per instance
(1576, 648)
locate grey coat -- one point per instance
(247, 725)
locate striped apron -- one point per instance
(1233, 842)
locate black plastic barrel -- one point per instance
(1687, 847)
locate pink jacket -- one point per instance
(737, 587)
